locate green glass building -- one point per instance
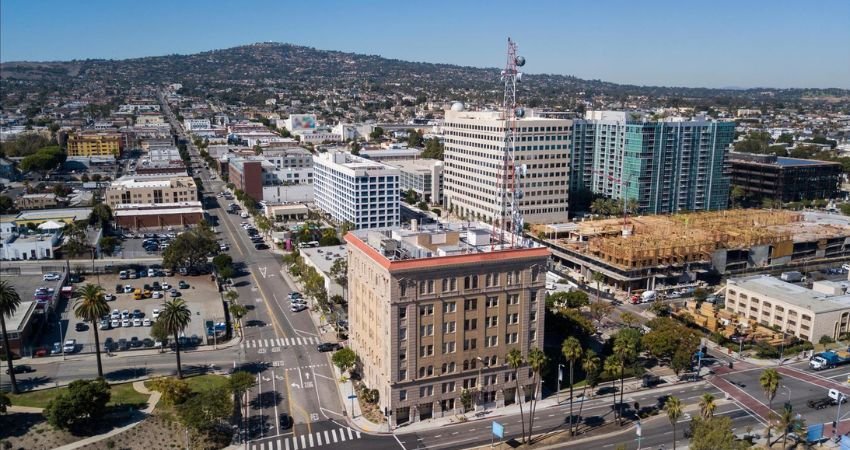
(665, 166)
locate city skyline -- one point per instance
(727, 45)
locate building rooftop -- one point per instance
(773, 160)
(790, 162)
(66, 215)
(324, 257)
(417, 165)
(129, 182)
(463, 241)
(357, 165)
(131, 209)
(793, 294)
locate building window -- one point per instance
(513, 299)
(513, 319)
(491, 341)
(402, 395)
(402, 313)
(470, 304)
(448, 387)
(492, 302)
(402, 355)
(492, 321)
(449, 327)
(469, 383)
(402, 374)
(448, 347)
(511, 338)
(402, 334)
(426, 310)
(469, 344)
(426, 391)
(426, 330)
(470, 282)
(426, 350)
(470, 324)
(449, 307)
(532, 316)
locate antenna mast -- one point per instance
(509, 192)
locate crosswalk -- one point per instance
(304, 441)
(281, 342)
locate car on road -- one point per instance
(328, 347)
(298, 301)
(81, 326)
(22, 368)
(57, 348)
(51, 276)
(261, 246)
(294, 294)
(108, 344)
(297, 307)
(70, 346)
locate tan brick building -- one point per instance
(151, 190)
(434, 311)
(88, 144)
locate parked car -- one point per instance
(108, 344)
(51, 276)
(297, 307)
(147, 342)
(81, 326)
(57, 348)
(109, 297)
(123, 344)
(137, 322)
(135, 342)
(70, 346)
(147, 322)
(104, 324)
(328, 347)
(261, 246)
(174, 293)
(155, 313)
(122, 275)
(183, 285)
(126, 323)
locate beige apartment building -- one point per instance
(151, 191)
(474, 149)
(433, 312)
(805, 313)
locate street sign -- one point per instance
(352, 397)
(815, 432)
(498, 430)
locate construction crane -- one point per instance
(509, 191)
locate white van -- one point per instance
(648, 296)
(244, 215)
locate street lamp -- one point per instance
(558, 395)
(789, 392)
(480, 382)
(781, 349)
(61, 337)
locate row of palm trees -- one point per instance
(91, 306)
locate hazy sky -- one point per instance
(741, 43)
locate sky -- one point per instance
(721, 43)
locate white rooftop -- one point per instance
(793, 294)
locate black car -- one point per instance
(108, 344)
(328, 347)
(22, 369)
(285, 422)
(80, 326)
(135, 342)
(123, 344)
(261, 246)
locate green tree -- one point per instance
(599, 310)
(611, 366)
(344, 359)
(769, 381)
(591, 366)
(238, 311)
(6, 204)
(160, 333)
(598, 278)
(415, 139)
(713, 434)
(515, 361)
(572, 351)
(45, 159)
(376, 133)
(433, 149)
(355, 148)
(175, 316)
(673, 406)
(108, 244)
(788, 422)
(79, 406)
(189, 250)
(101, 215)
(700, 294)
(221, 261)
(626, 347)
(538, 361)
(707, 406)
(173, 390)
(422, 205)
(737, 194)
(411, 197)
(205, 410)
(681, 360)
(339, 271)
(826, 339)
(91, 306)
(9, 303)
(466, 401)
(328, 238)
(785, 138)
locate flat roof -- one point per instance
(790, 162)
(43, 215)
(324, 257)
(22, 314)
(792, 294)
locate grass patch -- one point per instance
(203, 383)
(122, 394)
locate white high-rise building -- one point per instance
(474, 149)
(357, 190)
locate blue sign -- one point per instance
(498, 430)
(352, 397)
(814, 433)
(845, 443)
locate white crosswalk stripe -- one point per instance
(306, 441)
(280, 342)
(286, 443)
(303, 442)
(310, 439)
(327, 441)
(278, 445)
(333, 434)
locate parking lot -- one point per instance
(199, 292)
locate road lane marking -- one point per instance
(278, 444)
(286, 443)
(399, 442)
(327, 441)
(310, 438)
(350, 435)
(333, 434)
(303, 441)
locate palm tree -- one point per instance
(238, 312)
(769, 381)
(611, 366)
(91, 306)
(626, 352)
(571, 348)
(674, 411)
(788, 422)
(515, 361)
(9, 302)
(175, 317)
(598, 277)
(538, 361)
(590, 365)
(707, 406)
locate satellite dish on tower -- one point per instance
(520, 61)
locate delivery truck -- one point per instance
(829, 359)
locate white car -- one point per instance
(155, 313)
(156, 294)
(115, 323)
(70, 346)
(166, 286)
(109, 297)
(126, 323)
(52, 276)
(137, 322)
(115, 314)
(147, 322)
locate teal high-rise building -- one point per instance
(665, 166)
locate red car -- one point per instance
(41, 352)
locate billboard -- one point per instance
(302, 122)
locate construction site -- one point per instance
(651, 252)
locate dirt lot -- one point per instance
(201, 297)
